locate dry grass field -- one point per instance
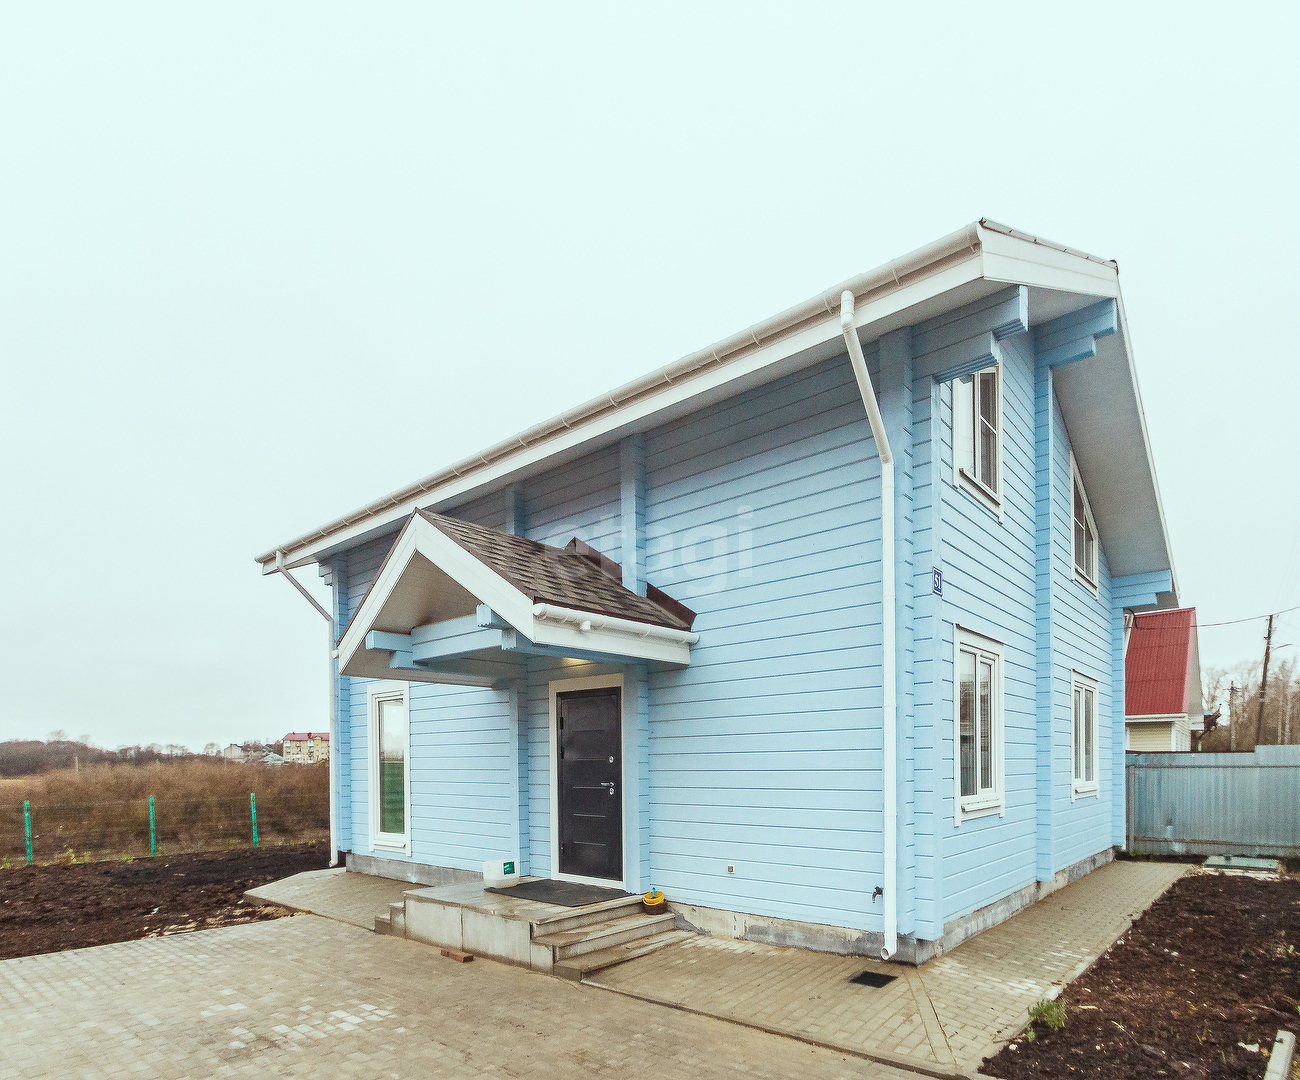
(200, 804)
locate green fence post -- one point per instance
(252, 802)
(27, 821)
(153, 835)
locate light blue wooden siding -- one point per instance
(461, 772)
(932, 661)
(341, 746)
(363, 563)
(763, 515)
(989, 589)
(489, 510)
(1082, 642)
(579, 499)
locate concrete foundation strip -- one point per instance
(1279, 1062)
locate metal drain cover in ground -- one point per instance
(873, 979)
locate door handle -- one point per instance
(609, 784)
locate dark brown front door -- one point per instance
(590, 775)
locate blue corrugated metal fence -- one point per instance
(1215, 804)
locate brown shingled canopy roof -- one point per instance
(550, 575)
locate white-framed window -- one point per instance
(977, 723)
(1084, 545)
(388, 704)
(977, 435)
(1085, 737)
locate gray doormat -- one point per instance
(561, 893)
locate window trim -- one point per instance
(960, 477)
(1090, 582)
(966, 807)
(1080, 789)
(385, 690)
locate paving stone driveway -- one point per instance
(309, 996)
(335, 893)
(944, 1017)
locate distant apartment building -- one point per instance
(307, 747)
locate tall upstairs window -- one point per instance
(977, 434)
(1085, 533)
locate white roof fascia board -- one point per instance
(423, 538)
(1146, 442)
(454, 561)
(380, 590)
(1020, 259)
(1023, 262)
(984, 251)
(1156, 718)
(606, 641)
(897, 274)
(715, 382)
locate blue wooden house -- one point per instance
(819, 630)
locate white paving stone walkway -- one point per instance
(308, 996)
(944, 1017)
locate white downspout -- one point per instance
(888, 619)
(329, 665)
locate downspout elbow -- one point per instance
(863, 377)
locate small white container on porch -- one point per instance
(500, 873)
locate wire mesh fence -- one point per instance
(87, 830)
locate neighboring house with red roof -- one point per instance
(307, 747)
(1162, 681)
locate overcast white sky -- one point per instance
(260, 264)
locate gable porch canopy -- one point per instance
(464, 604)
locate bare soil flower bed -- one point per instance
(52, 908)
(1213, 964)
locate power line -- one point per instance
(1226, 622)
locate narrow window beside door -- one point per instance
(390, 782)
(1086, 750)
(979, 725)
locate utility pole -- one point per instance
(1285, 736)
(1232, 716)
(1263, 682)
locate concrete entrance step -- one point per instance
(595, 936)
(571, 918)
(393, 922)
(576, 968)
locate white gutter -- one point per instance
(888, 620)
(586, 621)
(887, 278)
(330, 654)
